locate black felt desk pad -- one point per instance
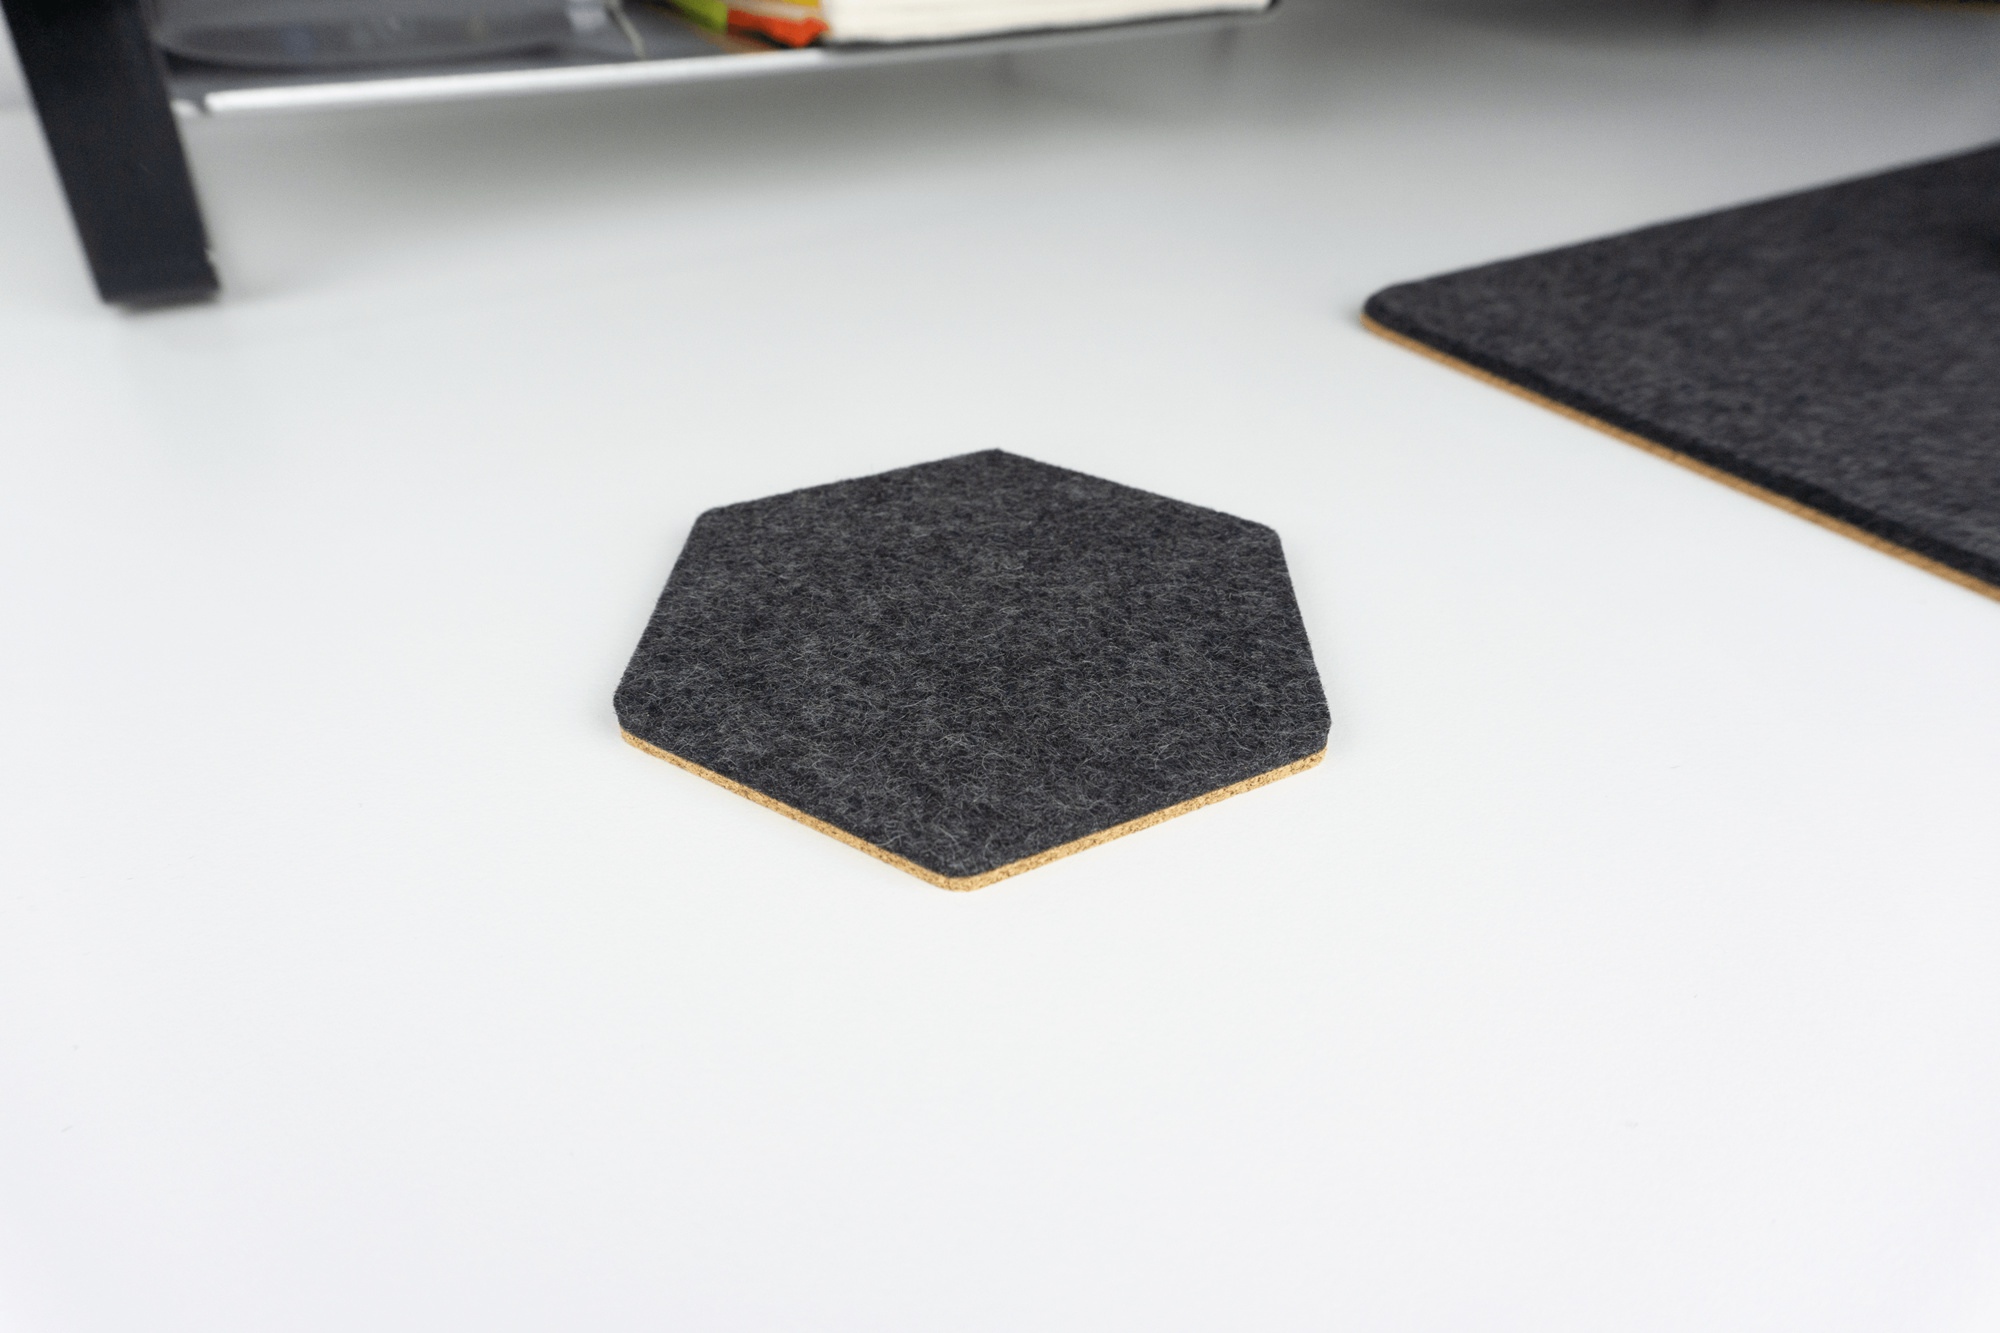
(1837, 350)
(967, 665)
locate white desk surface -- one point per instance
(1630, 964)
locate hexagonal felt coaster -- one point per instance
(972, 667)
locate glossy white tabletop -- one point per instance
(1630, 964)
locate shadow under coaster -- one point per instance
(973, 667)
(1835, 352)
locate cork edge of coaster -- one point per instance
(1708, 470)
(966, 883)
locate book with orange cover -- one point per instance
(785, 22)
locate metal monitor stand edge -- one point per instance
(100, 86)
(100, 91)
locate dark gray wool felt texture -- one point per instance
(1839, 347)
(972, 661)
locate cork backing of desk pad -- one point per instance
(1836, 352)
(973, 667)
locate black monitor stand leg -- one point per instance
(98, 85)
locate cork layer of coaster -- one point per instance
(1836, 352)
(970, 668)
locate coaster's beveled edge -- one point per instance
(966, 883)
(1708, 470)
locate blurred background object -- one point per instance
(107, 75)
(11, 92)
(291, 34)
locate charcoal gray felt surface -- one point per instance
(975, 661)
(1839, 348)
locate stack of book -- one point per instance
(800, 22)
